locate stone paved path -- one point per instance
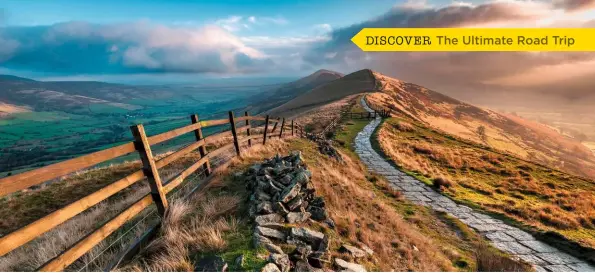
(506, 238)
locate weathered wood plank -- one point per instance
(180, 153)
(178, 179)
(88, 242)
(282, 128)
(31, 231)
(25, 180)
(149, 167)
(156, 139)
(208, 123)
(203, 149)
(234, 133)
(266, 129)
(248, 129)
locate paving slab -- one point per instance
(521, 244)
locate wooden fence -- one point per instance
(150, 170)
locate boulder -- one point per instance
(280, 208)
(324, 245)
(273, 248)
(281, 260)
(304, 266)
(260, 240)
(260, 195)
(302, 178)
(347, 266)
(211, 264)
(353, 251)
(297, 217)
(270, 267)
(269, 218)
(270, 233)
(307, 235)
(319, 259)
(318, 202)
(286, 180)
(302, 252)
(294, 204)
(290, 192)
(318, 214)
(264, 207)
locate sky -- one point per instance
(122, 41)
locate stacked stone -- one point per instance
(325, 146)
(283, 197)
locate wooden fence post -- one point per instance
(203, 149)
(275, 126)
(266, 128)
(149, 168)
(232, 122)
(282, 127)
(292, 128)
(248, 129)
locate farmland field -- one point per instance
(35, 139)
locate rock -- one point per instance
(302, 178)
(303, 266)
(269, 218)
(319, 259)
(324, 245)
(330, 223)
(270, 267)
(264, 207)
(347, 266)
(239, 261)
(294, 203)
(211, 264)
(353, 251)
(270, 233)
(307, 235)
(261, 196)
(290, 192)
(318, 202)
(280, 208)
(302, 252)
(368, 250)
(415, 248)
(286, 180)
(297, 217)
(273, 248)
(318, 213)
(253, 169)
(281, 260)
(260, 240)
(274, 189)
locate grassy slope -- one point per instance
(533, 195)
(365, 210)
(523, 138)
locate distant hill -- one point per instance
(354, 83)
(70, 96)
(286, 92)
(512, 134)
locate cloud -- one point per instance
(455, 71)
(238, 23)
(574, 5)
(141, 47)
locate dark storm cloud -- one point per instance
(83, 48)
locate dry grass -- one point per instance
(534, 195)
(25, 207)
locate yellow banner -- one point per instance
(475, 39)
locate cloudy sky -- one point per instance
(116, 40)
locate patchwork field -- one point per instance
(533, 195)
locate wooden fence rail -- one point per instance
(150, 170)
